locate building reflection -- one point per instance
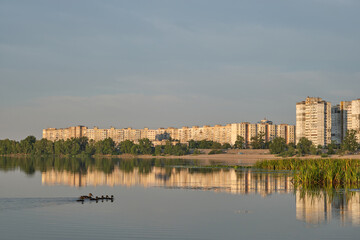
(220, 180)
(311, 207)
(321, 207)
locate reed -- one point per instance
(326, 173)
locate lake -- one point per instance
(165, 199)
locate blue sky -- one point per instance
(171, 63)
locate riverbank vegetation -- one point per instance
(83, 146)
(325, 173)
(304, 147)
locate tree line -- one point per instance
(83, 146)
(304, 146)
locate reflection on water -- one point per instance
(320, 207)
(312, 207)
(216, 179)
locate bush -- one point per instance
(196, 152)
(215, 152)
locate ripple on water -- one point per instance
(28, 203)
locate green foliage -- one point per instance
(177, 150)
(90, 148)
(43, 147)
(313, 150)
(126, 146)
(193, 144)
(240, 142)
(82, 146)
(226, 146)
(197, 152)
(9, 147)
(303, 146)
(331, 148)
(145, 146)
(135, 149)
(215, 152)
(349, 143)
(158, 150)
(258, 141)
(326, 173)
(289, 152)
(27, 144)
(205, 144)
(277, 145)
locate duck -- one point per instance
(86, 196)
(92, 198)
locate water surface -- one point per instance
(165, 199)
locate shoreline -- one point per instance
(246, 157)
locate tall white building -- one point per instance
(313, 121)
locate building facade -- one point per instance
(313, 121)
(349, 118)
(217, 133)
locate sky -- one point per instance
(161, 63)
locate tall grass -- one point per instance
(318, 172)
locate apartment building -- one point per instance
(313, 121)
(54, 134)
(217, 133)
(349, 118)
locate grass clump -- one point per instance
(318, 172)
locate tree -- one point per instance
(145, 146)
(44, 147)
(125, 146)
(258, 141)
(226, 146)
(240, 142)
(59, 147)
(9, 146)
(193, 144)
(74, 146)
(83, 142)
(158, 150)
(27, 144)
(109, 146)
(135, 149)
(90, 148)
(277, 145)
(331, 147)
(304, 145)
(350, 143)
(106, 146)
(215, 145)
(313, 150)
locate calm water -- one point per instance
(165, 199)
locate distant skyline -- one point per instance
(159, 63)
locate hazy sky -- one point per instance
(164, 63)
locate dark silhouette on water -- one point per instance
(91, 198)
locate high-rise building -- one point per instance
(336, 120)
(350, 117)
(313, 121)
